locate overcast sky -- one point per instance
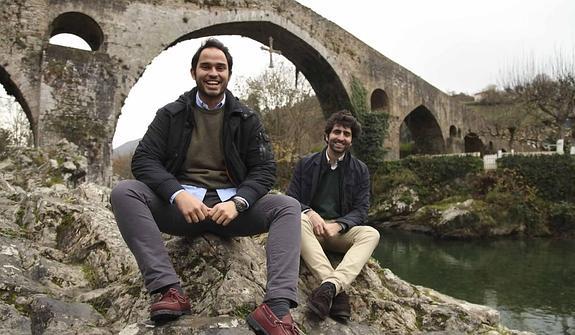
(456, 45)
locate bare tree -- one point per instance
(14, 120)
(275, 88)
(291, 113)
(122, 166)
(546, 93)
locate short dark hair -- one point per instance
(213, 43)
(345, 119)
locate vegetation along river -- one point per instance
(530, 282)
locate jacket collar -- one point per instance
(322, 158)
(231, 106)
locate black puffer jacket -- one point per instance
(354, 200)
(248, 155)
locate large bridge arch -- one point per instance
(328, 86)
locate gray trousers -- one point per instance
(142, 216)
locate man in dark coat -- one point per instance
(333, 189)
(205, 165)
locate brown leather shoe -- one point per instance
(320, 299)
(264, 322)
(170, 306)
(340, 308)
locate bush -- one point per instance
(284, 173)
(562, 218)
(431, 177)
(122, 166)
(440, 170)
(553, 176)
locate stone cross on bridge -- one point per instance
(271, 50)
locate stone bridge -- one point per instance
(78, 95)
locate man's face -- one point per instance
(211, 75)
(339, 139)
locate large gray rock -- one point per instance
(66, 270)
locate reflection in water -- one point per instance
(531, 282)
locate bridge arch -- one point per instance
(424, 131)
(81, 25)
(13, 90)
(452, 131)
(326, 83)
(379, 101)
(473, 143)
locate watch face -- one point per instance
(240, 206)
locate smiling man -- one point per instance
(332, 187)
(205, 165)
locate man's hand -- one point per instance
(331, 228)
(322, 228)
(223, 213)
(191, 208)
(317, 222)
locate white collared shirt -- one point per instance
(333, 165)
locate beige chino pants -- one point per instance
(357, 244)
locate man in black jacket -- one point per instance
(333, 189)
(205, 165)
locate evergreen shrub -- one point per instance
(369, 146)
(431, 177)
(553, 176)
(562, 218)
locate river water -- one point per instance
(530, 282)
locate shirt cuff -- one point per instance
(173, 197)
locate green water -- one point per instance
(530, 282)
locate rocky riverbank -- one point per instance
(66, 270)
(453, 197)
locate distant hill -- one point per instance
(125, 149)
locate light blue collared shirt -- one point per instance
(203, 105)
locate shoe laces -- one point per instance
(173, 294)
(292, 328)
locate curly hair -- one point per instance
(345, 119)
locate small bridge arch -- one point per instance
(424, 131)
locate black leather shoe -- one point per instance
(340, 308)
(320, 299)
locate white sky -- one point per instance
(456, 45)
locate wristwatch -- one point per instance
(241, 205)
